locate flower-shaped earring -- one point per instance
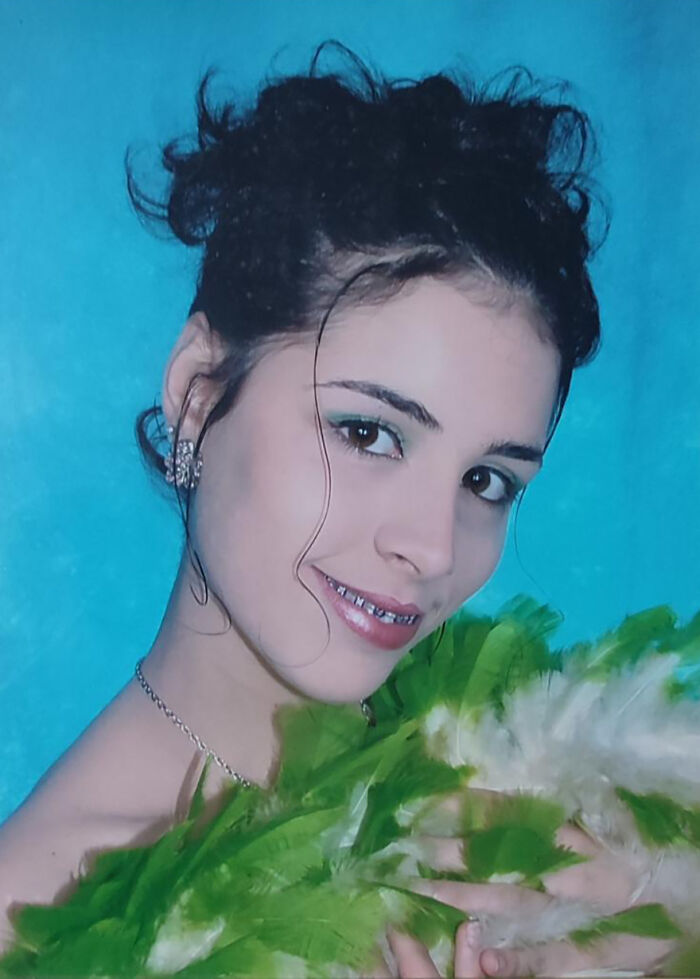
(182, 466)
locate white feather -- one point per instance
(575, 741)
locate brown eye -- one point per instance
(363, 434)
(368, 437)
(489, 485)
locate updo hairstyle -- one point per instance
(340, 186)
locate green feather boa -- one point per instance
(303, 879)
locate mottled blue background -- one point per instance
(91, 303)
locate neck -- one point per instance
(213, 679)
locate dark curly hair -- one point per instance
(339, 186)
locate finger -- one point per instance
(479, 898)
(607, 883)
(516, 962)
(444, 853)
(467, 951)
(575, 838)
(454, 802)
(626, 952)
(411, 956)
(605, 878)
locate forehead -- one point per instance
(464, 355)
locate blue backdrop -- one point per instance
(91, 304)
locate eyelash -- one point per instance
(366, 420)
(512, 489)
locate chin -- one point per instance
(349, 683)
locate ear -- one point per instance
(197, 350)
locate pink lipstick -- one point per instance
(377, 618)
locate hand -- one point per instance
(603, 879)
(472, 959)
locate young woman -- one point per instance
(393, 295)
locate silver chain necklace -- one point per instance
(196, 740)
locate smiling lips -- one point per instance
(377, 618)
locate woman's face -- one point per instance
(435, 407)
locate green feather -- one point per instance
(685, 961)
(98, 896)
(486, 810)
(415, 777)
(423, 917)
(508, 656)
(303, 879)
(646, 920)
(246, 958)
(312, 737)
(324, 924)
(519, 850)
(106, 948)
(661, 821)
(514, 835)
(638, 636)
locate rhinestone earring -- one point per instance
(182, 466)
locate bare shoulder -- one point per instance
(123, 783)
(44, 850)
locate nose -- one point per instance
(419, 532)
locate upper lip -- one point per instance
(383, 601)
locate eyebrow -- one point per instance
(515, 450)
(414, 409)
(419, 413)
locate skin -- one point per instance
(605, 878)
(402, 522)
(486, 376)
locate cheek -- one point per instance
(265, 481)
(256, 508)
(285, 483)
(478, 551)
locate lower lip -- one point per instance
(381, 634)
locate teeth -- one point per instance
(360, 602)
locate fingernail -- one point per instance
(493, 962)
